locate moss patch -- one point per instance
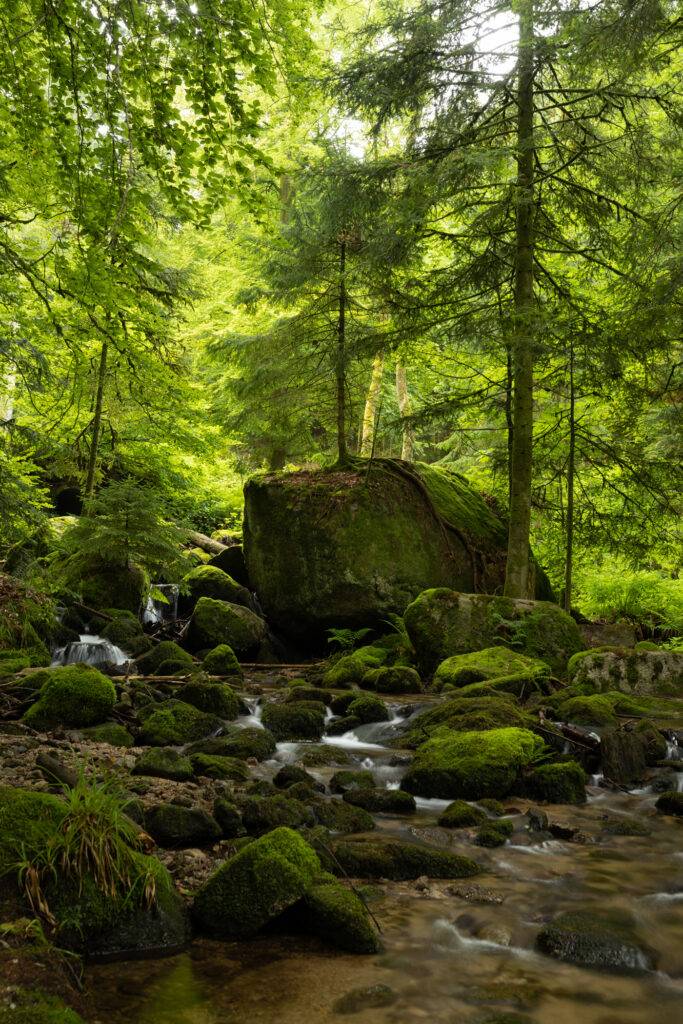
(73, 695)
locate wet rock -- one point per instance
(207, 581)
(109, 732)
(232, 562)
(563, 783)
(670, 803)
(623, 757)
(337, 915)
(652, 740)
(290, 774)
(342, 782)
(307, 693)
(263, 814)
(474, 893)
(496, 933)
(173, 826)
(569, 833)
(302, 721)
(368, 708)
(592, 710)
(395, 679)
(494, 833)
(460, 814)
(372, 997)
(343, 725)
(164, 763)
(241, 743)
(213, 698)
(538, 819)
(149, 664)
(625, 827)
(386, 801)
(222, 661)
(228, 817)
(213, 766)
(173, 723)
(257, 884)
(470, 714)
(318, 757)
(338, 816)
(602, 939)
(377, 858)
(72, 695)
(220, 622)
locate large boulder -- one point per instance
(480, 666)
(603, 939)
(345, 548)
(219, 622)
(628, 671)
(442, 623)
(108, 585)
(208, 581)
(73, 695)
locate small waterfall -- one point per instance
(162, 608)
(253, 719)
(93, 650)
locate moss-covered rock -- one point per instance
(592, 710)
(494, 833)
(301, 721)
(481, 666)
(349, 670)
(290, 775)
(72, 695)
(338, 816)
(110, 732)
(443, 623)
(114, 586)
(232, 562)
(257, 884)
(368, 708)
(337, 915)
(472, 714)
(212, 766)
(163, 763)
(321, 548)
(385, 858)
(228, 817)
(218, 622)
(625, 827)
(240, 743)
(263, 814)
(173, 722)
(394, 679)
(460, 814)
(122, 631)
(603, 939)
(173, 826)
(343, 725)
(301, 691)
(150, 662)
(325, 754)
(214, 698)
(470, 765)
(348, 779)
(36, 1007)
(563, 783)
(637, 672)
(208, 581)
(377, 800)
(653, 741)
(222, 661)
(670, 802)
(27, 617)
(623, 757)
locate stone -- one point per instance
(213, 698)
(482, 666)
(442, 623)
(338, 816)
(174, 826)
(468, 714)
(670, 802)
(494, 833)
(232, 562)
(321, 547)
(213, 766)
(302, 721)
(396, 679)
(72, 695)
(263, 814)
(228, 817)
(150, 662)
(219, 622)
(289, 775)
(370, 997)
(460, 814)
(222, 661)
(382, 801)
(241, 743)
(114, 586)
(623, 757)
(337, 915)
(172, 723)
(163, 763)
(563, 783)
(636, 672)
(387, 858)
(207, 581)
(600, 939)
(348, 779)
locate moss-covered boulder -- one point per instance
(303, 692)
(173, 722)
(107, 585)
(214, 698)
(164, 763)
(208, 581)
(228, 817)
(338, 816)
(377, 800)
(602, 939)
(471, 714)
(240, 743)
(174, 826)
(638, 672)
(482, 666)
(352, 669)
(652, 740)
(73, 695)
(302, 721)
(395, 679)
(110, 732)
(623, 757)
(27, 616)
(222, 661)
(388, 858)
(562, 783)
(442, 623)
(150, 662)
(321, 548)
(592, 710)
(368, 708)
(337, 915)
(257, 884)
(325, 754)
(291, 775)
(348, 779)
(671, 803)
(123, 631)
(263, 814)
(494, 833)
(213, 766)
(460, 814)
(232, 562)
(219, 622)
(470, 765)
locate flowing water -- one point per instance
(162, 604)
(455, 951)
(92, 650)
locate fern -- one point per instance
(347, 639)
(652, 598)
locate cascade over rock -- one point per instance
(347, 547)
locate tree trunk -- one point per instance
(570, 485)
(517, 572)
(341, 359)
(408, 449)
(370, 414)
(97, 422)
(509, 391)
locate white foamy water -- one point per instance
(92, 650)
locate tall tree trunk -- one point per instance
(517, 572)
(341, 359)
(570, 485)
(97, 422)
(408, 449)
(509, 391)
(370, 413)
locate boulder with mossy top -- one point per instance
(304, 692)
(222, 661)
(561, 783)
(469, 765)
(71, 695)
(256, 885)
(304, 720)
(394, 679)
(207, 581)
(671, 803)
(460, 814)
(494, 833)
(291, 774)
(213, 698)
(123, 631)
(173, 722)
(368, 708)
(113, 733)
(471, 714)
(173, 826)
(231, 561)
(239, 743)
(483, 666)
(390, 858)
(111, 585)
(604, 939)
(150, 663)
(339, 816)
(595, 709)
(219, 622)
(623, 757)
(351, 669)
(636, 672)
(321, 547)
(215, 766)
(381, 801)
(163, 763)
(335, 914)
(348, 779)
(228, 818)
(319, 756)
(27, 617)
(263, 814)
(442, 623)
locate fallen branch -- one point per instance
(214, 547)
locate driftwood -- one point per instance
(214, 547)
(278, 664)
(91, 611)
(54, 769)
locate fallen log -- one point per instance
(214, 547)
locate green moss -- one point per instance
(343, 781)
(377, 858)
(493, 806)
(670, 802)
(174, 826)
(263, 814)
(377, 800)
(222, 661)
(471, 765)
(164, 763)
(122, 631)
(368, 708)
(240, 743)
(27, 819)
(494, 833)
(460, 814)
(308, 693)
(149, 663)
(174, 668)
(210, 581)
(563, 783)
(290, 775)
(338, 816)
(228, 817)
(214, 698)
(302, 721)
(637, 672)
(107, 586)
(397, 679)
(214, 623)
(318, 757)
(338, 916)
(472, 714)
(36, 1007)
(593, 710)
(646, 645)
(72, 695)
(215, 767)
(259, 883)
(479, 666)
(111, 732)
(173, 722)
(347, 671)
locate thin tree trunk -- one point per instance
(570, 485)
(341, 358)
(517, 572)
(97, 422)
(370, 413)
(408, 449)
(509, 391)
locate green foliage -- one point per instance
(347, 639)
(651, 597)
